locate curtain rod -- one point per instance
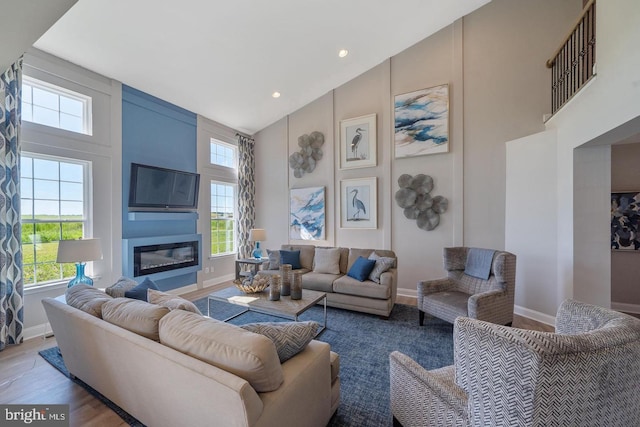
(245, 136)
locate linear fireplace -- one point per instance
(165, 257)
(162, 257)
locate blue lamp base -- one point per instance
(80, 277)
(257, 252)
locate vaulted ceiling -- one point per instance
(224, 59)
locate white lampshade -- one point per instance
(79, 250)
(257, 235)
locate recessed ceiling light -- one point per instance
(343, 52)
(276, 94)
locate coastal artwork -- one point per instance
(306, 214)
(625, 221)
(422, 122)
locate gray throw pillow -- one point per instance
(274, 259)
(290, 338)
(327, 260)
(382, 265)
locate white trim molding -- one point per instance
(627, 308)
(535, 315)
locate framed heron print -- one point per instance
(422, 122)
(358, 203)
(358, 142)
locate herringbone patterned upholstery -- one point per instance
(461, 295)
(586, 374)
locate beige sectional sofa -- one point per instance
(174, 381)
(342, 290)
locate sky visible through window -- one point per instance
(51, 188)
(223, 154)
(51, 107)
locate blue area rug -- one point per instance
(363, 342)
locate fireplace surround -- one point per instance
(162, 256)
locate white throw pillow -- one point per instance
(327, 260)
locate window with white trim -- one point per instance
(54, 206)
(223, 218)
(223, 174)
(54, 106)
(223, 154)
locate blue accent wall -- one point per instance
(157, 133)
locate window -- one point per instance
(54, 106)
(54, 206)
(223, 223)
(223, 154)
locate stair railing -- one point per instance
(573, 63)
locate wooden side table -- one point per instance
(255, 262)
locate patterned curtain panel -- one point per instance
(11, 295)
(246, 194)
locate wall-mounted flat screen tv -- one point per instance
(158, 189)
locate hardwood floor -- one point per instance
(26, 378)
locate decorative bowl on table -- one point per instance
(252, 285)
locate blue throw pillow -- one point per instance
(361, 268)
(140, 291)
(291, 257)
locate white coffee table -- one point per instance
(285, 307)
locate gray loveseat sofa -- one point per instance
(342, 290)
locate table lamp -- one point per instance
(257, 235)
(79, 251)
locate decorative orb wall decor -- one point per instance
(413, 196)
(305, 160)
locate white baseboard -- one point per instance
(37, 331)
(218, 280)
(206, 284)
(627, 308)
(520, 311)
(411, 293)
(535, 315)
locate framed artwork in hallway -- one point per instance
(625, 221)
(358, 203)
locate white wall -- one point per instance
(530, 226)
(591, 224)
(506, 92)
(103, 149)
(606, 111)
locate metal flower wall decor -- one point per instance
(305, 160)
(413, 196)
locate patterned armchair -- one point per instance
(462, 295)
(586, 374)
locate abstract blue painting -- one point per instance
(625, 221)
(422, 122)
(306, 214)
